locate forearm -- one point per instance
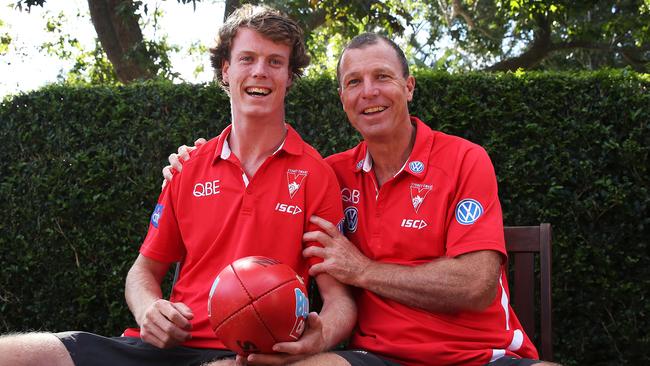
(339, 312)
(468, 282)
(142, 288)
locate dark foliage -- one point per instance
(81, 173)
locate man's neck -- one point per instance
(254, 140)
(389, 156)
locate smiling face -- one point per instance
(258, 75)
(374, 92)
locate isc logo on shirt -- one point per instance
(414, 224)
(291, 209)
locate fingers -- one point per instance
(327, 226)
(177, 317)
(317, 269)
(160, 337)
(167, 176)
(240, 360)
(183, 309)
(270, 359)
(314, 251)
(184, 152)
(167, 173)
(309, 343)
(165, 326)
(175, 162)
(314, 321)
(292, 348)
(151, 334)
(318, 236)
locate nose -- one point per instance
(369, 89)
(260, 69)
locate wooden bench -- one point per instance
(523, 244)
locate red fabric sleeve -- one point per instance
(163, 241)
(476, 221)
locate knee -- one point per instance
(33, 349)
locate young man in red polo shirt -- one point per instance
(249, 191)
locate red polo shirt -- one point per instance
(443, 203)
(212, 213)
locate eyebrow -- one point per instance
(379, 70)
(383, 70)
(249, 52)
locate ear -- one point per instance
(225, 66)
(410, 87)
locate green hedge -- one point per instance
(80, 174)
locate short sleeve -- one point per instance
(326, 204)
(475, 219)
(163, 241)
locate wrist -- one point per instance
(140, 314)
(365, 274)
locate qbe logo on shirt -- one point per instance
(468, 211)
(209, 188)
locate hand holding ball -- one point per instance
(256, 302)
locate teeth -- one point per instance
(263, 91)
(374, 109)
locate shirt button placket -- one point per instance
(248, 201)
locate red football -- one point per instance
(256, 302)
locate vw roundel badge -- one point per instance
(351, 219)
(416, 166)
(468, 211)
(359, 164)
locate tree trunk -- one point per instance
(121, 37)
(540, 48)
(231, 5)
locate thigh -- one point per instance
(358, 357)
(513, 361)
(33, 349)
(92, 349)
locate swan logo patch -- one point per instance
(294, 180)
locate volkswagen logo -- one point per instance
(468, 211)
(351, 219)
(416, 166)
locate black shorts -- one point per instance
(363, 358)
(358, 357)
(512, 361)
(92, 349)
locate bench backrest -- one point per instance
(523, 244)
